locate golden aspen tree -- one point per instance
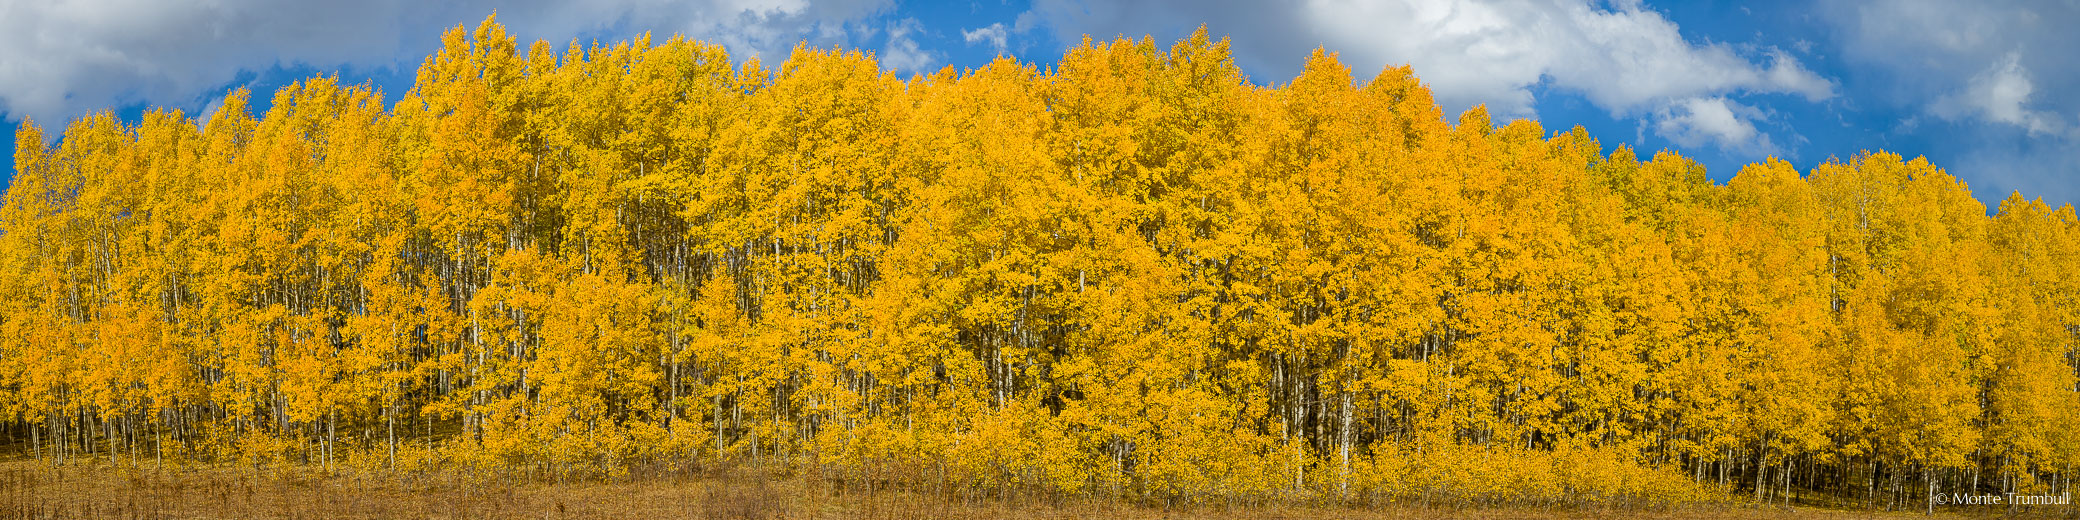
(2028, 379)
(1780, 292)
(29, 322)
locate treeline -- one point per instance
(1134, 273)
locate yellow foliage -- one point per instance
(1132, 273)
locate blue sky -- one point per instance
(1986, 90)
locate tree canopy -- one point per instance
(1133, 272)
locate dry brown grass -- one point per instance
(29, 490)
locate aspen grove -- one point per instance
(1134, 273)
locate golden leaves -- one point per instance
(1131, 273)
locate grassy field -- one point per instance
(29, 490)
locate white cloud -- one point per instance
(995, 34)
(2000, 94)
(1998, 72)
(1786, 74)
(1715, 121)
(2000, 62)
(1624, 58)
(902, 53)
(59, 60)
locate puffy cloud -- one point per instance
(62, 59)
(1934, 49)
(996, 35)
(901, 52)
(1999, 72)
(1972, 61)
(1625, 59)
(2000, 94)
(1716, 121)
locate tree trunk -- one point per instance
(1928, 476)
(1761, 468)
(331, 438)
(1343, 441)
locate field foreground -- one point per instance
(29, 490)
